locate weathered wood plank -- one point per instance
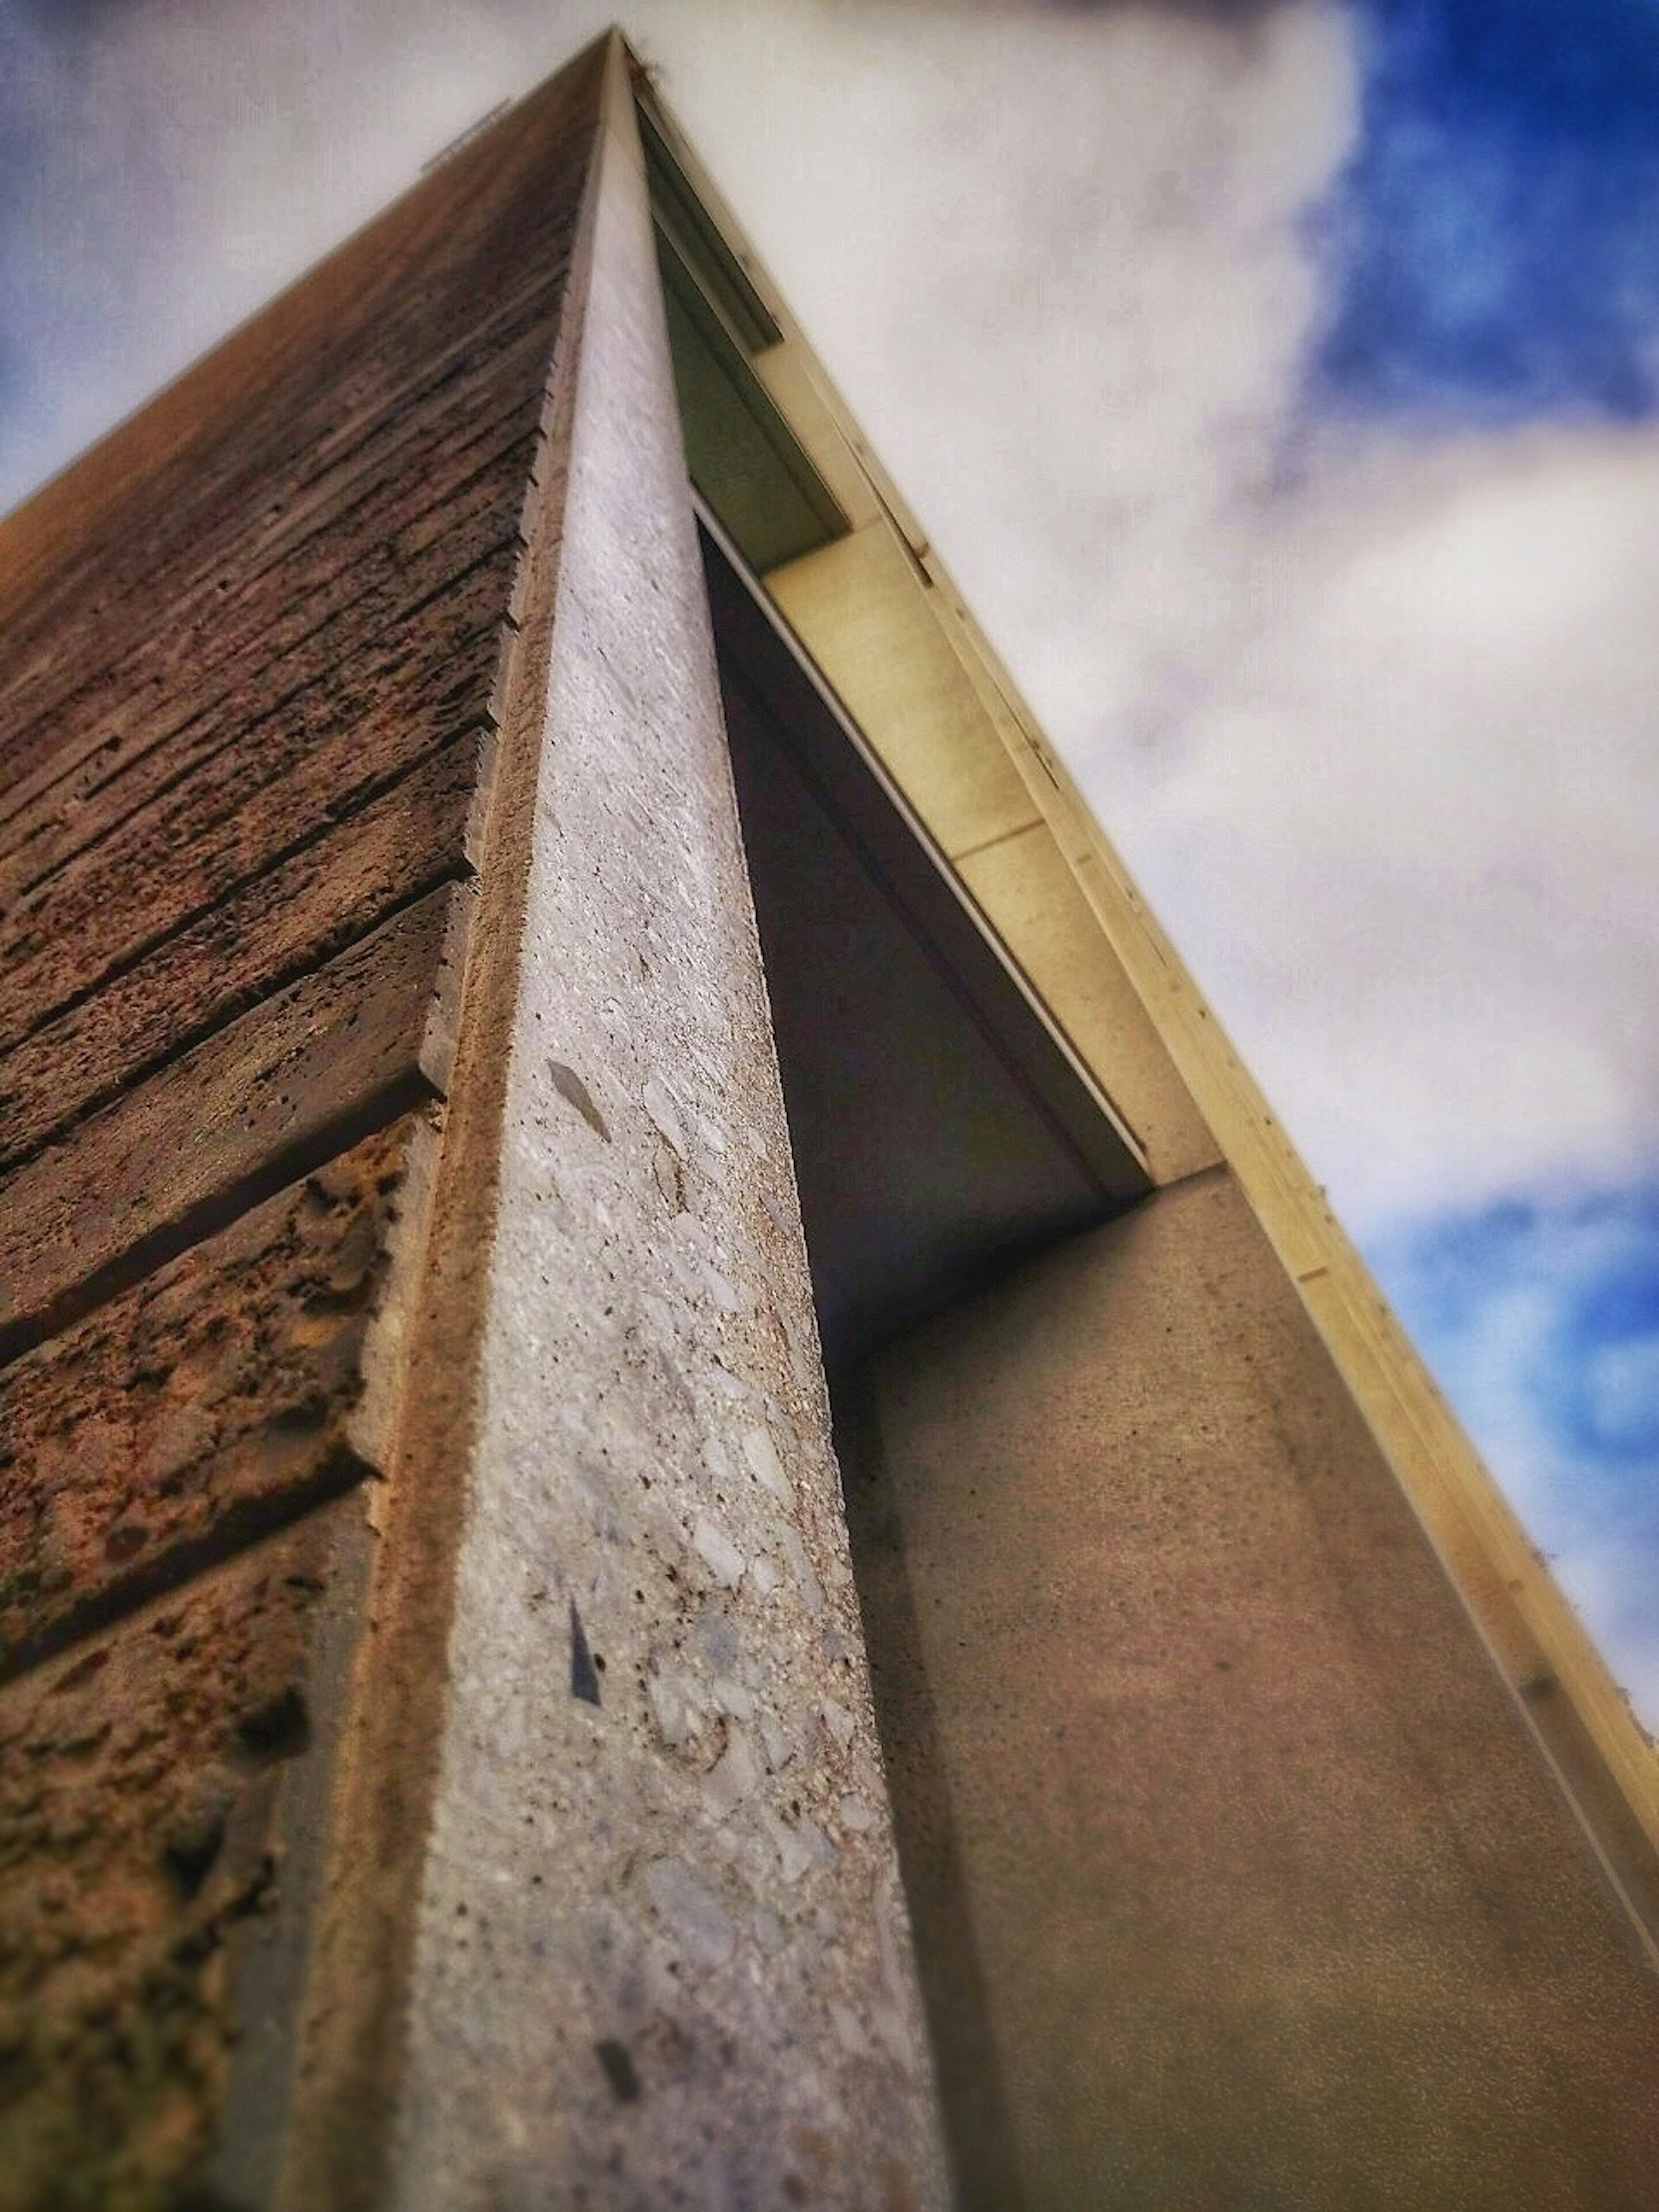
(205, 1406)
(340, 1052)
(336, 887)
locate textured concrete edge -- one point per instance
(500, 2098)
(421, 1398)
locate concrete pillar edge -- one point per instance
(351, 2034)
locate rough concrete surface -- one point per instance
(1239, 1879)
(662, 1959)
(141, 1777)
(253, 647)
(150, 719)
(206, 471)
(344, 879)
(342, 1050)
(322, 529)
(418, 539)
(342, 737)
(211, 1401)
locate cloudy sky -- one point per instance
(1282, 382)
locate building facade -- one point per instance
(695, 1507)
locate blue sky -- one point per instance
(1541, 1316)
(1490, 248)
(1489, 257)
(1377, 731)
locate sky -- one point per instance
(1281, 382)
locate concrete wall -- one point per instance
(880, 613)
(251, 650)
(438, 1765)
(662, 1956)
(1238, 1879)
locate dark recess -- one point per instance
(941, 1132)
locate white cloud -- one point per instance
(1371, 717)
(1420, 800)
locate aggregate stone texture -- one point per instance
(662, 1957)
(212, 1401)
(140, 1781)
(1240, 1881)
(348, 1046)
